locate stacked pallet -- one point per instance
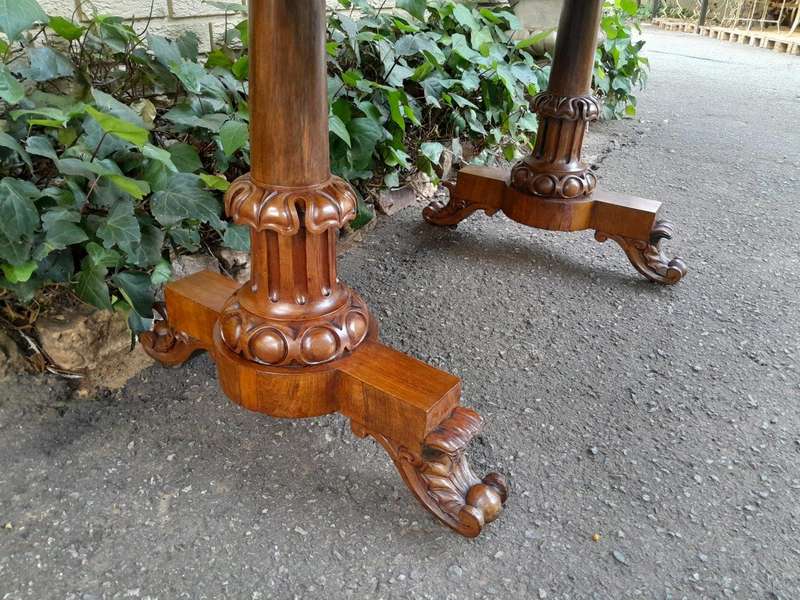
(760, 39)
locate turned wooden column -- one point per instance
(555, 168)
(294, 311)
(288, 80)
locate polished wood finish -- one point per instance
(288, 80)
(576, 44)
(410, 408)
(295, 341)
(554, 188)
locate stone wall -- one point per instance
(169, 17)
(538, 15)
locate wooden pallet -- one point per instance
(758, 39)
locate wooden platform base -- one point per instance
(778, 41)
(630, 221)
(410, 408)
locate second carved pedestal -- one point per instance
(554, 188)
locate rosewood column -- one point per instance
(295, 341)
(554, 188)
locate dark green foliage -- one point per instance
(407, 87)
(620, 68)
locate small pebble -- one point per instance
(454, 572)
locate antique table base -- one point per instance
(296, 342)
(553, 188)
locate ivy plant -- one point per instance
(620, 67)
(408, 87)
(114, 151)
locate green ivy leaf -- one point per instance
(91, 286)
(185, 197)
(62, 234)
(19, 219)
(15, 250)
(629, 6)
(414, 7)
(392, 179)
(135, 187)
(364, 215)
(241, 68)
(395, 98)
(463, 14)
(11, 90)
(183, 114)
(433, 151)
(7, 141)
(185, 238)
(365, 134)
(18, 214)
(166, 51)
(534, 39)
(218, 58)
(237, 237)
(138, 136)
(137, 291)
(120, 227)
(57, 267)
(185, 157)
(233, 136)
(339, 129)
(102, 257)
(147, 251)
(40, 145)
(244, 32)
(162, 273)
(190, 74)
(55, 117)
(17, 16)
(215, 182)
(20, 273)
(161, 155)
(189, 45)
(47, 64)
(66, 28)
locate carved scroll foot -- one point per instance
(648, 257)
(164, 344)
(454, 211)
(441, 477)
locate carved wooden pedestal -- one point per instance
(553, 188)
(295, 341)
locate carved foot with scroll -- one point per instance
(648, 257)
(441, 477)
(456, 210)
(164, 344)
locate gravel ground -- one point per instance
(666, 420)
